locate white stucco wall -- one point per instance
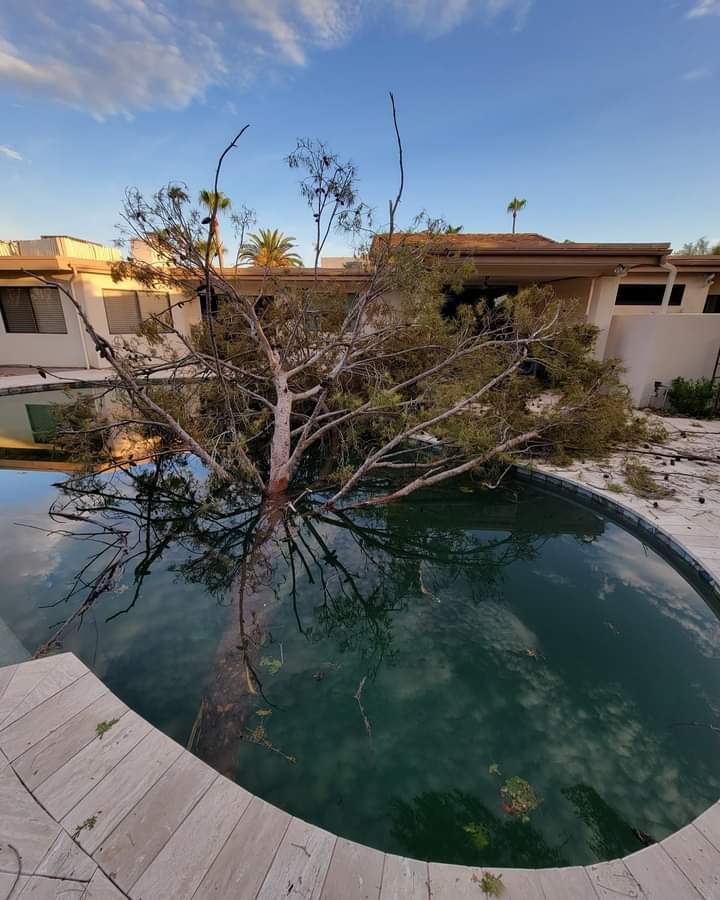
(62, 350)
(662, 347)
(75, 349)
(89, 289)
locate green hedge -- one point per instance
(697, 398)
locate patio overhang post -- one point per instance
(669, 284)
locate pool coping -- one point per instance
(593, 497)
(213, 850)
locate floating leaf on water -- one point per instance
(467, 490)
(263, 712)
(494, 769)
(519, 798)
(257, 733)
(271, 663)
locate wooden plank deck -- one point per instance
(130, 814)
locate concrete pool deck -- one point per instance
(687, 521)
(123, 811)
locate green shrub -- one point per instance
(696, 398)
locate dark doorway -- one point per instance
(481, 298)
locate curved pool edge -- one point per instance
(663, 535)
(203, 836)
(133, 814)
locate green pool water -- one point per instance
(414, 660)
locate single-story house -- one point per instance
(657, 312)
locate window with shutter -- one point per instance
(49, 316)
(122, 311)
(17, 310)
(153, 303)
(27, 310)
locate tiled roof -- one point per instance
(524, 242)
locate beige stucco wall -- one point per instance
(696, 291)
(602, 310)
(601, 305)
(574, 289)
(662, 347)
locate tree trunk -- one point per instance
(514, 217)
(234, 684)
(233, 688)
(218, 244)
(280, 448)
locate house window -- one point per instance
(647, 295)
(32, 310)
(127, 310)
(712, 304)
(42, 422)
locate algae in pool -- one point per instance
(505, 678)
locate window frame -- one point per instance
(136, 295)
(28, 289)
(676, 298)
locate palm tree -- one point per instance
(207, 199)
(514, 207)
(270, 249)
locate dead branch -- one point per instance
(357, 695)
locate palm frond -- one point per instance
(270, 249)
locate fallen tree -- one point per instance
(305, 402)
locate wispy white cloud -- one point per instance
(112, 57)
(9, 152)
(697, 74)
(109, 57)
(436, 17)
(295, 26)
(704, 8)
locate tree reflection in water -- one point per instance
(398, 652)
(361, 568)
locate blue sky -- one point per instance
(604, 115)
